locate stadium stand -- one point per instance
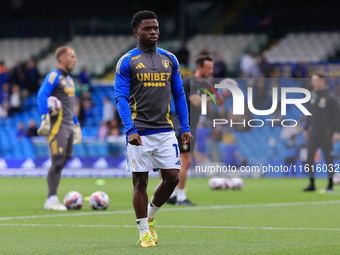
(227, 46)
(304, 47)
(12, 50)
(100, 52)
(95, 52)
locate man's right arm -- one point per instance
(306, 128)
(48, 85)
(122, 87)
(191, 94)
(308, 124)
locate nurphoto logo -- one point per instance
(239, 104)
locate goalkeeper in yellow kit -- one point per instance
(63, 130)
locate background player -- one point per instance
(204, 70)
(63, 130)
(322, 129)
(145, 78)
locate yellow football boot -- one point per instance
(152, 230)
(146, 241)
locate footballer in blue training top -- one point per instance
(146, 76)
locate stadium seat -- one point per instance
(227, 46)
(11, 50)
(95, 52)
(304, 47)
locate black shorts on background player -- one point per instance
(184, 147)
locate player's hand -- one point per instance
(45, 125)
(185, 136)
(135, 139)
(77, 135)
(335, 137)
(306, 134)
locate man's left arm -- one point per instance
(335, 117)
(180, 101)
(77, 135)
(335, 113)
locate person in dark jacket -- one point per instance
(322, 128)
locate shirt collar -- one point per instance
(322, 91)
(63, 72)
(144, 48)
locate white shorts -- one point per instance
(158, 151)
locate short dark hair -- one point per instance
(61, 51)
(139, 16)
(201, 58)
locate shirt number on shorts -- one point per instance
(176, 148)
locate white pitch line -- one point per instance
(65, 215)
(194, 208)
(193, 227)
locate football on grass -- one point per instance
(236, 183)
(219, 183)
(99, 200)
(73, 200)
(336, 178)
(53, 105)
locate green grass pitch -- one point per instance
(269, 216)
